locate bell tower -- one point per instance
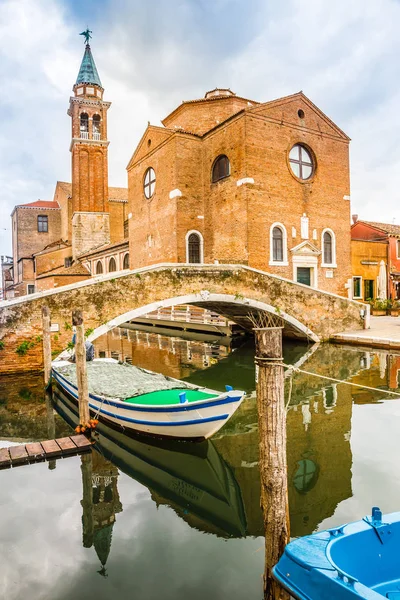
(90, 225)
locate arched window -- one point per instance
(327, 248)
(194, 247)
(328, 244)
(84, 126)
(221, 168)
(149, 183)
(99, 267)
(96, 127)
(278, 245)
(112, 265)
(126, 261)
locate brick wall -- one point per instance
(118, 214)
(199, 117)
(152, 229)
(52, 260)
(29, 239)
(89, 230)
(48, 283)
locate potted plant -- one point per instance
(395, 308)
(378, 307)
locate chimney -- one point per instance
(355, 218)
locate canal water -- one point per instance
(151, 520)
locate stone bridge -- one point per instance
(234, 291)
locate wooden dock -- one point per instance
(14, 456)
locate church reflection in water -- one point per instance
(100, 504)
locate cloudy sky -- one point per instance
(153, 54)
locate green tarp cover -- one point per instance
(126, 382)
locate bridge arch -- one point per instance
(221, 303)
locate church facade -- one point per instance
(230, 180)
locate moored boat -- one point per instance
(357, 560)
(192, 479)
(149, 402)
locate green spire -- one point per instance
(88, 72)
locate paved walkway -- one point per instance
(383, 333)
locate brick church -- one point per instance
(225, 179)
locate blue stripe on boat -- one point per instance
(127, 406)
(162, 423)
(153, 423)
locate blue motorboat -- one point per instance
(357, 560)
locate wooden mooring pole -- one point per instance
(81, 371)
(273, 465)
(46, 344)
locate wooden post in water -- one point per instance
(273, 466)
(81, 371)
(51, 424)
(46, 344)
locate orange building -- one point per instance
(372, 245)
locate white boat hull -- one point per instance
(194, 420)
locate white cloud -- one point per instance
(151, 56)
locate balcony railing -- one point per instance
(96, 135)
(85, 135)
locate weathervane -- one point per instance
(87, 35)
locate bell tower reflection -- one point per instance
(100, 504)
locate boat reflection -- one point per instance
(192, 478)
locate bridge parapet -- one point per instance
(109, 300)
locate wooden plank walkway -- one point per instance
(14, 456)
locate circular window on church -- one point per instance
(149, 184)
(301, 162)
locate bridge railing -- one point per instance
(188, 314)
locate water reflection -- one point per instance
(100, 503)
(212, 488)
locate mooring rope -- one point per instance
(359, 385)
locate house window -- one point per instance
(369, 289)
(68, 262)
(301, 162)
(221, 168)
(398, 248)
(357, 287)
(43, 223)
(126, 228)
(277, 244)
(31, 288)
(112, 265)
(99, 267)
(149, 184)
(126, 261)
(194, 247)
